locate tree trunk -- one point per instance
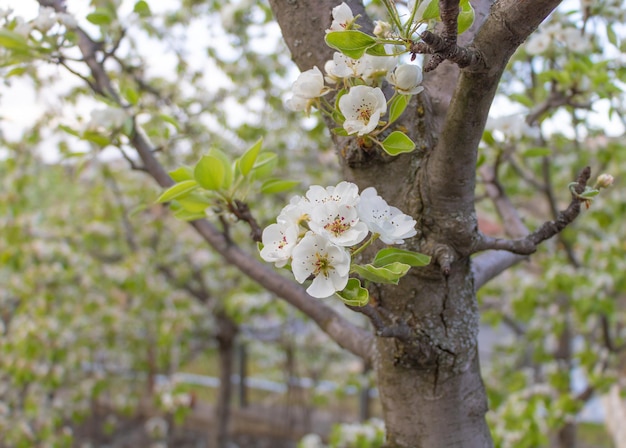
(427, 364)
(226, 333)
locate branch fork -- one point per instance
(444, 46)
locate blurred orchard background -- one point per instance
(119, 327)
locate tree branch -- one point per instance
(528, 244)
(347, 335)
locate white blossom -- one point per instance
(575, 41)
(406, 79)
(512, 127)
(339, 223)
(345, 193)
(297, 104)
(311, 441)
(341, 67)
(108, 118)
(389, 222)
(376, 67)
(279, 241)
(45, 19)
(308, 86)
(382, 29)
(329, 265)
(538, 44)
(342, 18)
(295, 213)
(362, 107)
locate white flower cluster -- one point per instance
(364, 104)
(44, 21)
(314, 232)
(555, 35)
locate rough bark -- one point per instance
(429, 379)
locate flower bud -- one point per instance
(382, 29)
(406, 79)
(604, 181)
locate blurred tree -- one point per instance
(423, 346)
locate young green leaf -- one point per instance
(391, 255)
(194, 203)
(209, 173)
(354, 294)
(246, 163)
(377, 50)
(466, 16)
(171, 120)
(227, 166)
(352, 43)
(264, 165)
(13, 41)
(397, 106)
(431, 11)
(273, 186)
(390, 273)
(142, 9)
(397, 143)
(185, 215)
(181, 173)
(97, 138)
(178, 190)
(100, 16)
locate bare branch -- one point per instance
(608, 339)
(528, 244)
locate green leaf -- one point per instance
(170, 120)
(194, 203)
(393, 255)
(377, 50)
(272, 186)
(612, 36)
(431, 11)
(466, 16)
(246, 163)
(488, 138)
(537, 152)
(185, 215)
(264, 165)
(100, 16)
(589, 193)
(352, 43)
(182, 173)
(209, 173)
(227, 166)
(397, 143)
(142, 9)
(390, 273)
(178, 190)
(69, 130)
(95, 137)
(17, 71)
(131, 95)
(397, 106)
(354, 294)
(340, 131)
(523, 99)
(13, 41)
